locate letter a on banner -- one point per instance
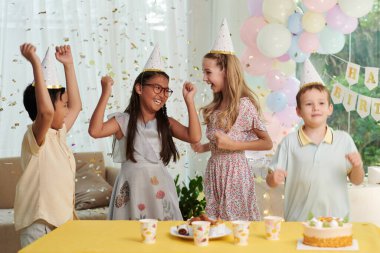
(375, 110)
(349, 101)
(337, 93)
(371, 77)
(364, 106)
(352, 73)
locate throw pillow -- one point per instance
(91, 190)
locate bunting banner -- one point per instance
(353, 101)
(371, 78)
(352, 73)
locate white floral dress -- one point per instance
(229, 183)
(144, 189)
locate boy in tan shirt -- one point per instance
(45, 192)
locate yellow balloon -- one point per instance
(313, 22)
(288, 68)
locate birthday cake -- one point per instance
(328, 232)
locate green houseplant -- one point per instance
(191, 198)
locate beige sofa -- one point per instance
(91, 191)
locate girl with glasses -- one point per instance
(144, 145)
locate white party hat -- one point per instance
(154, 62)
(49, 71)
(223, 43)
(310, 74)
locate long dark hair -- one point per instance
(169, 149)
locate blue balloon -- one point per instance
(295, 52)
(276, 101)
(295, 23)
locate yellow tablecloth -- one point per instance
(124, 236)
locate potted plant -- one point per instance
(191, 198)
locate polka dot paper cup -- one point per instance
(272, 227)
(201, 231)
(148, 230)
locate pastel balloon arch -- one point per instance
(280, 33)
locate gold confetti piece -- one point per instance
(66, 39)
(111, 74)
(82, 55)
(195, 68)
(91, 62)
(114, 10)
(13, 80)
(42, 12)
(109, 66)
(28, 29)
(1, 109)
(133, 46)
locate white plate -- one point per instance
(174, 232)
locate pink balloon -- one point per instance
(273, 126)
(250, 29)
(275, 79)
(284, 58)
(255, 63)
(319, 5)
(255, 7)
(308, 42)
(290, 89)
(288, 117)
(350, 25)
(338, 20)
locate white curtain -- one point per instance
(110, 37)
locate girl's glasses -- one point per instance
(158, 89)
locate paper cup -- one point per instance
(201, 230)
(272, 227)
(148, 230)
(241, 232)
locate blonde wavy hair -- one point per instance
(235, 88)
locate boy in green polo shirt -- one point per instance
(314, 161)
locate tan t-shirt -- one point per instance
(47, 186)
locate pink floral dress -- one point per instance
(229, 182)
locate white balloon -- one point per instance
(274, 40)
(278, 11)
(356, 8)
(332, 41)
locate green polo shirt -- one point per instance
(317, 174)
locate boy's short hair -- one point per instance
(310, 86)
(30, 102)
